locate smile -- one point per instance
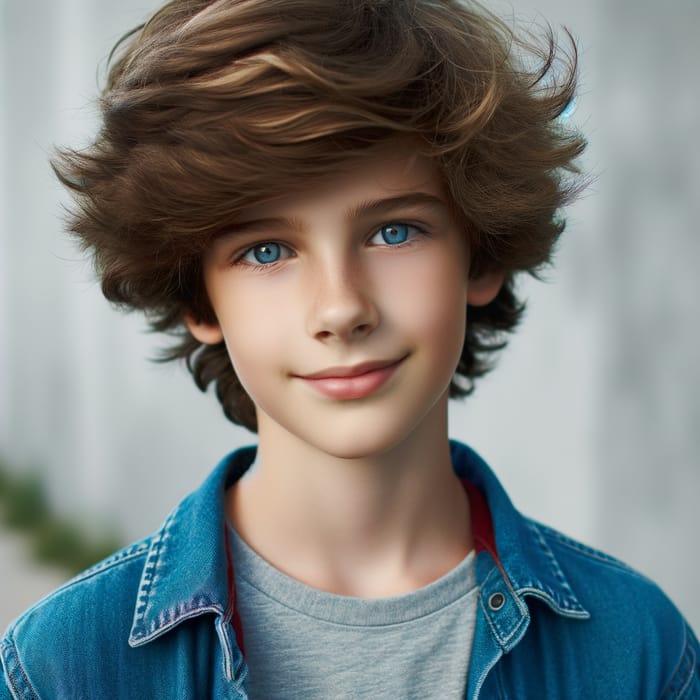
(344, 383)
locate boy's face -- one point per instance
(343, 309)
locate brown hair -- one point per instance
(214, 105)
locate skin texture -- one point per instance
(354, 491)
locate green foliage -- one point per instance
(24, 503)
(54, 540)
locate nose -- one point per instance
(343, 307)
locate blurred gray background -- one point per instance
(592, 418)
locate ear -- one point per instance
(207, 333)
(483, 289)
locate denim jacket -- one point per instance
(556, 619)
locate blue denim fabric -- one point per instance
(556, 619)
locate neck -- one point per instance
(369, 527)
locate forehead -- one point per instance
(395, 171)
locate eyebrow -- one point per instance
(362, 210)
(386, 204)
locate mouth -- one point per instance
(352, 371)
(354, 382)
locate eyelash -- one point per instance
(413, 231)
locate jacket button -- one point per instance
(497, 601)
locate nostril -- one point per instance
(345, 316)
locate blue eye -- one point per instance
(264, 253)
(394, 233)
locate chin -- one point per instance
(356, 431)
(354, 449)
(358, 442)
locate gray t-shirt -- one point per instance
(308, 644)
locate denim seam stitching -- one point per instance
(568, 602)
(148, 580)
(504, 639)
(29, 691)
(80, 579)
(589, 552)
(115, 559)
(687, 659)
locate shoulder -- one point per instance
(603, 583)
(634, 629)
(158, 603)
(115, 579)
(92, 611)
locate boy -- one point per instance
(330, 201)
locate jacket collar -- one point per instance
(187, 572)
(513, 556)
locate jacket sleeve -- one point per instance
(9, 665)
(685, 682)
(4, 690)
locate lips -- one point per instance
(354, 371)
(355, 382)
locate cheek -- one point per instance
(429, 297)
(256, 366)
(253, 323)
